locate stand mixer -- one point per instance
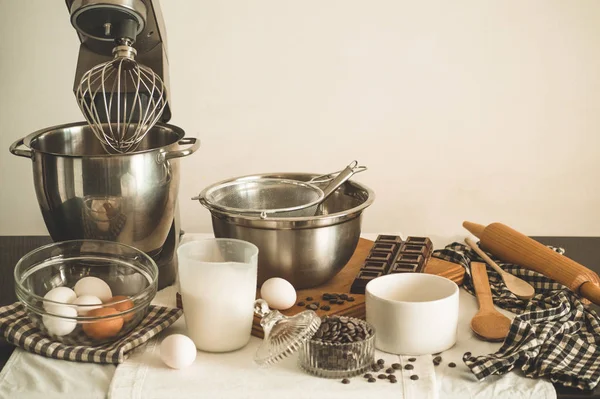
(116, 176)
(102, 24)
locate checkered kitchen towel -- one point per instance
(17, 329)
(553, 335)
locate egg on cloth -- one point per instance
(86, 300)
(279, 293)
(93, 286)
(58, 294)
(58, 325)
(105, 328)
(177, 351)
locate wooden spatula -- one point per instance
(488, 323)
(520, 288)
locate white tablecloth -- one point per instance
(234, 375)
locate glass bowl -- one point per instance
(339, 360)
(131, 275)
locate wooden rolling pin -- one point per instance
(514, 247)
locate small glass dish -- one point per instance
(339, 360)
(131, 275)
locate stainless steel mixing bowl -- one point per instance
(306, 251)
(84, 192)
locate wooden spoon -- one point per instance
(520, 288)
(488, 323)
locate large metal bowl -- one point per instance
(307, 251)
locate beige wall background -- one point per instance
(464, 109)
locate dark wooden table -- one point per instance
(585, 250)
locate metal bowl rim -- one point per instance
(322, 220)
(32, 136)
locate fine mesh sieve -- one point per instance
(275, 197)
(264, 197)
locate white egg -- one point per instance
(86, 300)
(93, 286)
(59, 326)
(59, 294)
(279, 293)
(177, 351)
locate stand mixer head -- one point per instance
(120, 98)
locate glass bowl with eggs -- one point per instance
(86, 292)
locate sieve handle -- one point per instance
(18, 152)
(342, 177)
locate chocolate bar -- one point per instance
(362, 279)
(390, 254)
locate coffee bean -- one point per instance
(340, 302)
(312, 306)
(375, 367)
(414, 377)
(325, 307)
(309, 298)
(350, 299)
(372, 379)
(301, 304)
(467, 354)
(437, 359)
(333, 302)
(334, 296)
(452, 364)
(382, 376)
(390, 371)
(344, 297)
(409, 367)
(393, 381)
(345, 381)
(368, 375)
(325, 296)
(344, 320)
(396, 366)
(380, 361)
(412, 359)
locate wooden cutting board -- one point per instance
(340, 284)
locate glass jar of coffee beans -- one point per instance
(341, 347)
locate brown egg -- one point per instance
(103, 329)
(123, 306)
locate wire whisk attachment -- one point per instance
(121, 99)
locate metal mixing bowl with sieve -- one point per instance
(308, 250)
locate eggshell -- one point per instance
(86, 300)
(122, 306)
(58, 294)
(177, 351)
(279, 293)
(59, 326)
(106, 328)
(93, 286)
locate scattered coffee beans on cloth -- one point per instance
(553, 336)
